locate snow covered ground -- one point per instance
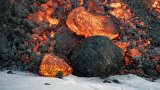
(27, 81)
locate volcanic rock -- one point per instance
(47, 84)
(10, 72)
(19, 11)
(107, 81)
(115, 81)
(65, 41)
(43, 1)
(84, 23)
(52, 65)
(96, 56)
(3, 43)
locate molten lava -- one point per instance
(44, 15)
(88, 24)
(45, 20)
(84, 22)
(134, 52)
(51, 65)
(122, 12)
(156, 5)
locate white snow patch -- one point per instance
(28, 81)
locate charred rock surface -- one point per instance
(142, 9)
(65, 41)
(96, 56)
(15, 51)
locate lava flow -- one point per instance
(43, 36)
(84, 22)
(45, 20)
(88, 24)
(125, 15)
(44, 15)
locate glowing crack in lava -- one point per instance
(88, 24)
(51, 65)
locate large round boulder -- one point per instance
(96, 56)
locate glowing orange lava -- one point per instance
(52, 64)
(88, 24)
(122, 12)
(44, 15)
(83, 22)
(134, 52)
(156, 5)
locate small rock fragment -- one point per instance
(10, 72)
(115, 81)
(107, 81)
(47, 84)
(59, 74)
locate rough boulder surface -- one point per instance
(96, 56)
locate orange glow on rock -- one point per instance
(26, 58)
(134, 52)
(81, 2)
(115, 5)
(52, 64)
(126, 60)
(35, 48)
(156, 5)
(44, 15)
(158, 68)
(44, 20)
(84, 23)
(121, 11)
(123, 46)
(148, 42)
(93, 6)
(52, 34)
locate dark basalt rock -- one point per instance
(96, 56)
(65, 41)
(3, 43)
(43, 1)
(19, 11)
